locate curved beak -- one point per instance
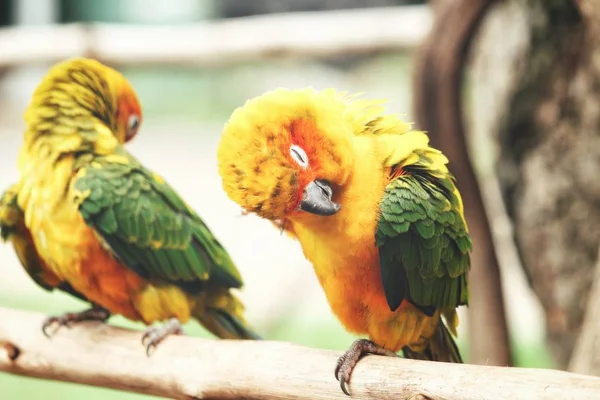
(316, 199)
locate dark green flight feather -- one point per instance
(148, 226)
(423, 242)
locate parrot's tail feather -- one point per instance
(441, 347)
(10, 213)
(234, 325)
(223, 316)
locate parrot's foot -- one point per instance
(156, 334)
(348, 360)
(96, 313)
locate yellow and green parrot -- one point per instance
(375, 209)
(87, 218)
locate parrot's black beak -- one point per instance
(316, 199)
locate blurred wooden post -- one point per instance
(438, 103)
(222, 42)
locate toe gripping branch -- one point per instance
(346, 363)
(156, 334)
(96, 313)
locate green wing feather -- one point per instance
(423, 240)
(148, 226)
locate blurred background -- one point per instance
(192, 62)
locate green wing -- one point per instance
(13, 230)
(423, 241)
(148, 227)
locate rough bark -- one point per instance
(439, 111)
(545, 118)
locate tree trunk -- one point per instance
(538, 94)
(438, 110)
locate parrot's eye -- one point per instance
(132, 125)
(299, 155)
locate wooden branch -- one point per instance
(191, 368)
(312, 34)
(586, 357)
(438, 109)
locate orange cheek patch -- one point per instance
(325, 156)
(128, 105)
(304, 133)
(123, 113)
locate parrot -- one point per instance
(375, 209)
(87, 218)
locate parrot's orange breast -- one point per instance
(343, 253)
(75, 254)
(349, 272)
(70, 248)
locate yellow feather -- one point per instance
(54, 135)
(353, 144)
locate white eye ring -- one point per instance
(133, 124)
(299, 155)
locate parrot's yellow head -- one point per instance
(286, 152)
(80, 89)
